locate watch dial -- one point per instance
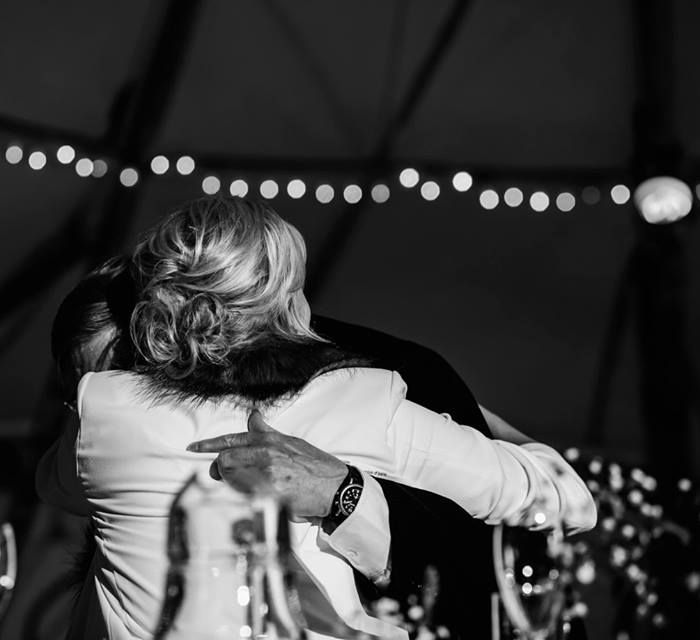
(351, 497)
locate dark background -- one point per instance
(543, 95)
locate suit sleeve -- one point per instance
(492, 480)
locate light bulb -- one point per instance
(663, 199)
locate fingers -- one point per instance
(256, 424)
(236, 459)
(228, 467)
(215, 445)
(243, 472)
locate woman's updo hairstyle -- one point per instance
(217, 276)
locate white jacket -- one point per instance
(130, 460)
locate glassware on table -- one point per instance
(228, 574)
(531, 579)
(8, 565)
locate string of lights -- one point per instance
(489, 198)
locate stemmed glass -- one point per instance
(531, 578)
(8, 565)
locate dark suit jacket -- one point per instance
(426, 528)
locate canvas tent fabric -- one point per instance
(537, 95)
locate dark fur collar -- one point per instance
(270, 370)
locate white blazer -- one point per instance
(130, 458)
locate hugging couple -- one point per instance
(200, 352)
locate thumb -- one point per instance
(256, 424)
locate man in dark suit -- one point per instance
(426, 529)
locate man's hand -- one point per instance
(303, 474)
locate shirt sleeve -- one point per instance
(576, 509)
(492, 480)
(364, 537)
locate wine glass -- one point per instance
(531, 578)
(228, 575)
(8, 565)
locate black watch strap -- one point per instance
(345, 499)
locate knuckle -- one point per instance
(225, 460)
(234, 439)
(263, 456)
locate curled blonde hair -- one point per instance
(216, 276)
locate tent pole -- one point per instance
(660, 291)
(137, 116)
(657, 268)
(139, 120)
(339, 236)
(134, 125)
(336, 107)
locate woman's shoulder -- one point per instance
(345, 411)
(359, 375)
(107, 388)
(362, 386)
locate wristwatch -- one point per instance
(345, 500)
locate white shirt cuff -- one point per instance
(577, 508)
(364, 537)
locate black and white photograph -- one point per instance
(350, 320)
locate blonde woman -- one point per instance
(221, 327)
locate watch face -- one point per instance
(349, 498)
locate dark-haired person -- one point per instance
(221, 318)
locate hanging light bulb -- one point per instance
(513, 197)
(380, 193)
(663, 199)
(129, 177)
(352, 194)
(13, 154)
(566, 201)
(160, 165)
(65, 154)
(296, 188)
(430, 190)
(99, 168)
(409, 178)
(84, 167)
(37, 160)
(488, 199)
(620, 194)
(462, 181)
(325, 193)
(269, 189)
(239, 188)
(185, 165)
(211, 185)
(539, 201)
